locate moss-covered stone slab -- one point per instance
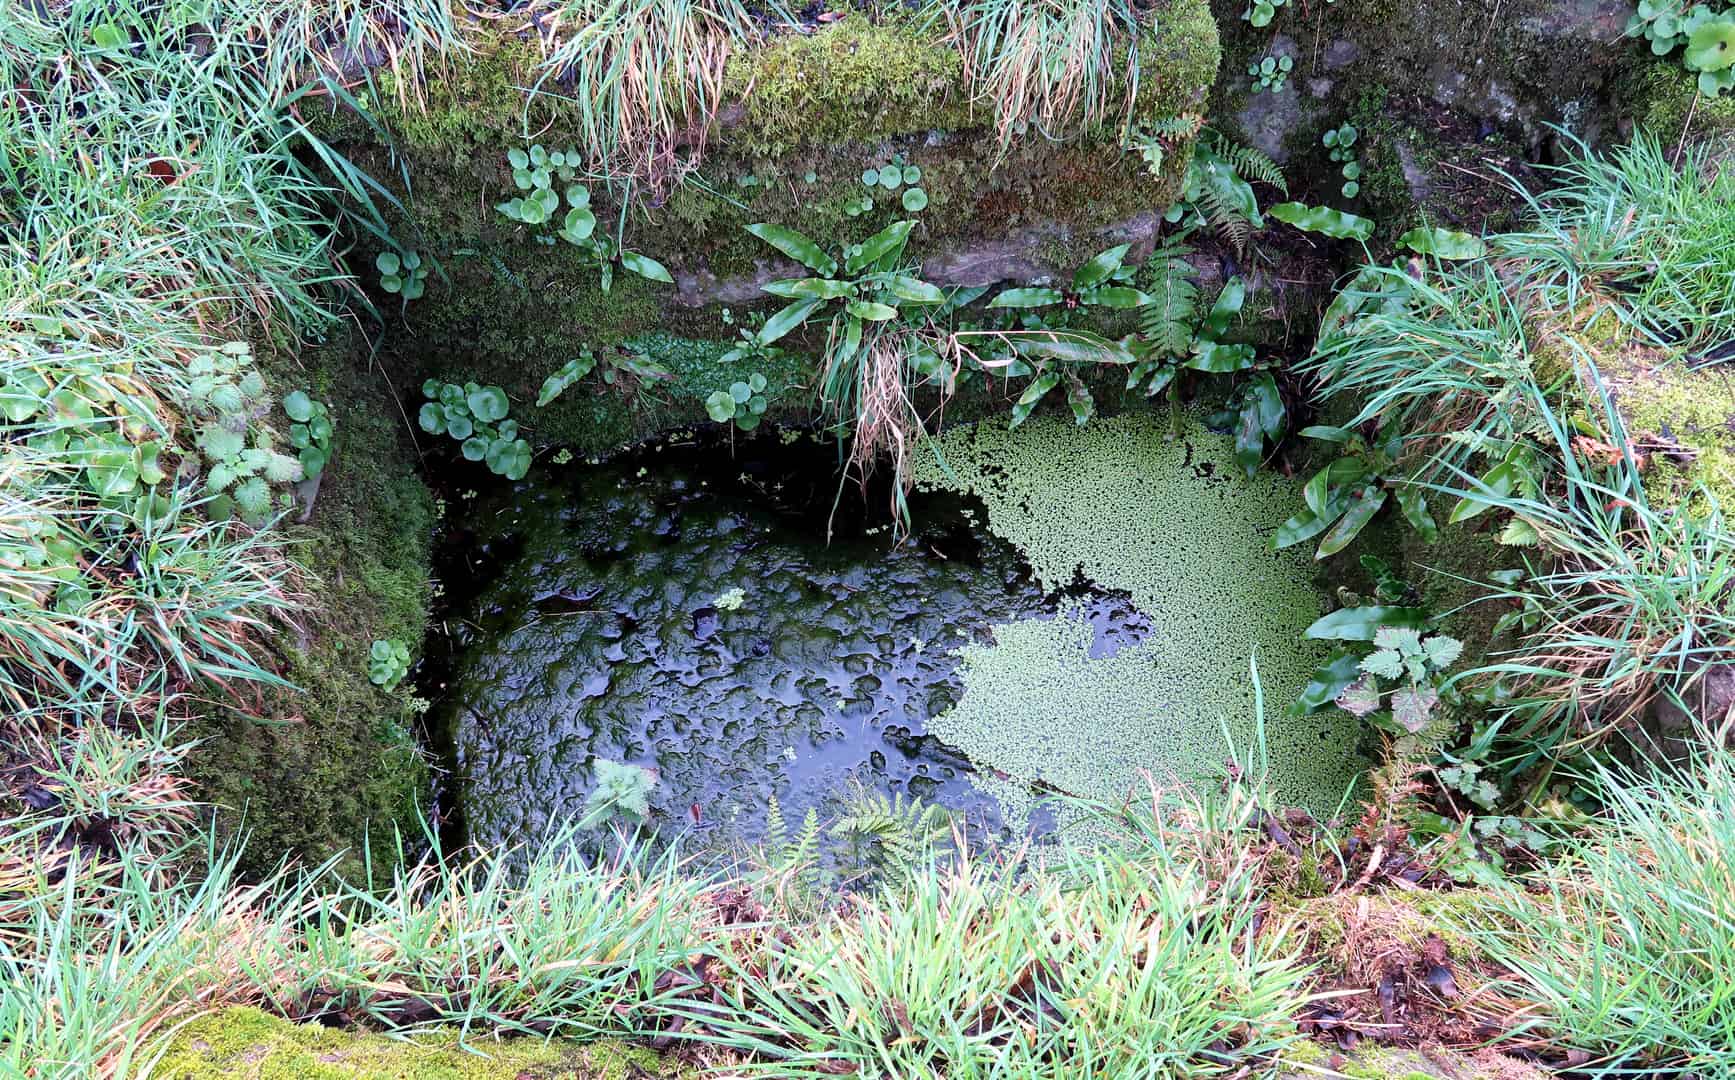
(247, 1044)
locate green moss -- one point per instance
(1667, 101)
(247, 1043)
(337, 761)
(472, 99)
(1692, 409)
(833, 102)
(1176, 526)
(850, 81)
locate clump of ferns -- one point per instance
(1218, 190)
(875, 842)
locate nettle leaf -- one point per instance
(1519, 533)
(1385, 663)
(1442, 651)
(1360, 697)
(1412, 708)
(1404, 639)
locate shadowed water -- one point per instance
(599, 633)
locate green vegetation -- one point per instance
(1130, 510)
(243, 1043)
(742, 404)
(1053, 68)
(387, 663)
(214, 545)
(642, 72)
(1340, 141)
(402, 275)
(1705, 34)
(1271, 73)
(476, 417)
(1483, 381)
(621, 792)
(1620, 954)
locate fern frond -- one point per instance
(1184, 126)
(1249, 162)
(1166, 323)
(1223, 215)
(805, 849)
(776, 829)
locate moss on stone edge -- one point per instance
(246, 1044)
(1177, 526)
(338, 762)
(1693, 409)
(852, 80)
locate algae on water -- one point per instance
(1176, 526)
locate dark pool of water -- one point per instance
(585, 621)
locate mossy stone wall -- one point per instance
(829, 103)
(336, 763)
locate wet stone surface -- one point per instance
(600, 626)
